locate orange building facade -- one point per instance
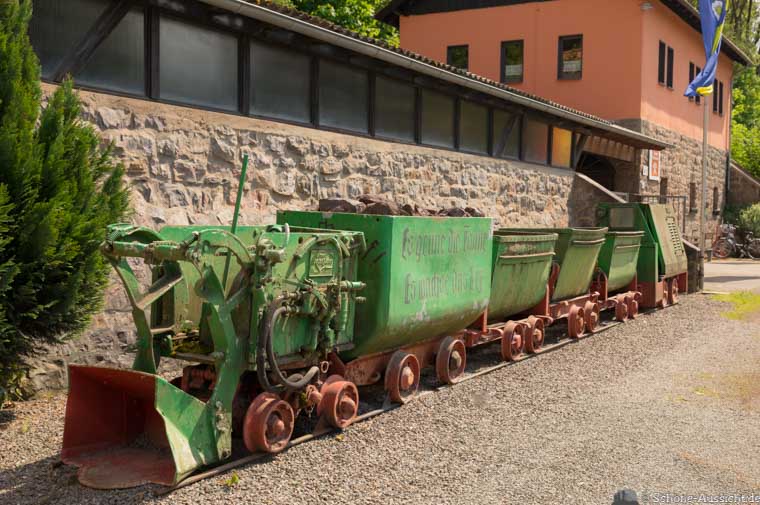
(628, 61)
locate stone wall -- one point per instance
(682, 165)
(743, 188)
(183, 167)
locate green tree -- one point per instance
(64, 190)
(356, 15)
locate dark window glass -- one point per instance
(473, 127)
(562, 147)
(343, 94)
(716, 201)
(119, 62)
(570, 57)
(394, 109)
(512, 58)
(280, 83)
(661, 63)
(458, 56)
(506, 134)
(671, 57)
(535, 141)
(692, 75)
(57, 27)
(715, 96)
(437, 127)
(693, 197)
(198, 65)
(720, 98)
(698, 98)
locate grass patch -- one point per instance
(745, 304)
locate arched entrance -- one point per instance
(597, 168)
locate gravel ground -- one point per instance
(667, 403)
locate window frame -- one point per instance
(503, 61)
(692, 75)
(560, 73)
(720, 98)
(670, 71)
(661, 62)
(518, 123)
(451, 49)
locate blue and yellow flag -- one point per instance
(713, 14)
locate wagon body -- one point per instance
(619, 257)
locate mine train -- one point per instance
(294, 318)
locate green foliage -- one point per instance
(749, 219)
(355, 15)
(64, 190)
(745, 147)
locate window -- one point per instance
(437, 128)
(720, 98)
(570, 64)
(506, 134)
(716, 201)
(671, 57)
(57, 27)
(692, 75)
(198, 65)
(562, 147)
(473, 127)
(715, 96)
(661, 63)
(512, 57)
(665, 62)
(693, 197)
(457, 56)
(343, 97)
(394, 109)
(280, 83)
(535, 141)
(118, 63)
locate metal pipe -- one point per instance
(374, 51)
(703, 214)
(235, 216)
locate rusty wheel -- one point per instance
(633, 306)
(575, 323)
(621, 309)
(672, 291)
(591, 316)
(513, 341)
(340, 402)
(268, 424)
(450, 360)
(402, 376)
(534, 334)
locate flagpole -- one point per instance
(703, 214)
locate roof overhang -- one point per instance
(594, 126)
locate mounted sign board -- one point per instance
(654, 165)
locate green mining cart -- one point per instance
(522, 262)
(618, 258)
(576, 252)
(662, 263)
(255, 313)
(425, 276)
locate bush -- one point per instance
(59, 190)
(749, 219)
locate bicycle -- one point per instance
(729, 245)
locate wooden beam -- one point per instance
(578, 149)
(78, 56)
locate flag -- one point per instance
(713, 14)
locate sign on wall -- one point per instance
(654, 165)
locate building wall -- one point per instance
(743, 188)
(668, 107)
(620, 56)
(610, 87)
(183, 166)
(682, 166)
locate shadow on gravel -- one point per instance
(6, 417)
(49, 481)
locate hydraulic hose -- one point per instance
(265, 353)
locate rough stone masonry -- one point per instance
(183, 167)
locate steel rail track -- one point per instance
(322, 429)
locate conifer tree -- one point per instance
(61, 189)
